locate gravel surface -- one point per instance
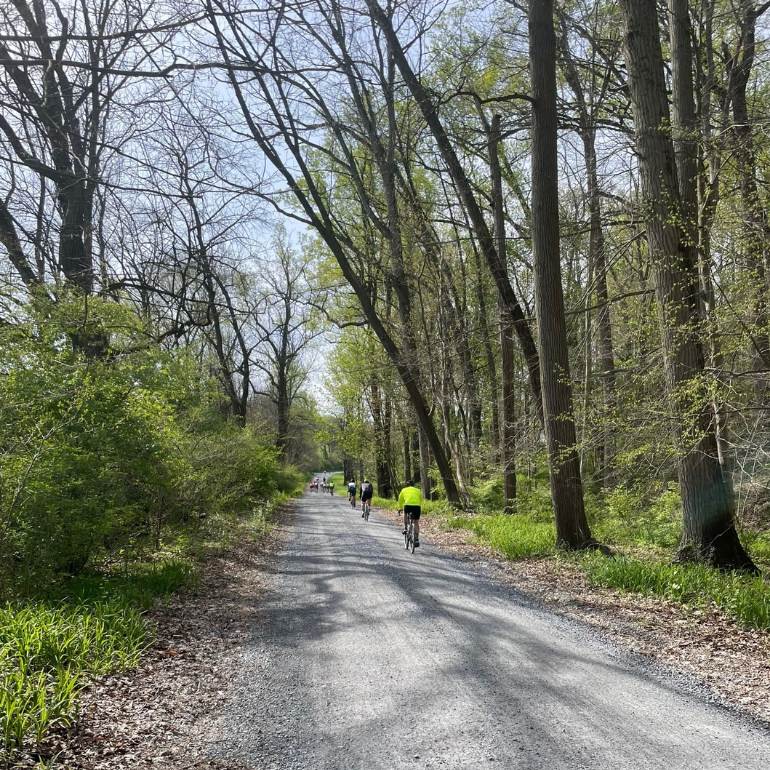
(363, 655)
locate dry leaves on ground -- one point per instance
(160, 715)
(732, 660)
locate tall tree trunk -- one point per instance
(508, 367)
(597, 260)
(756, 227)
(415, 452)
(709, 162)
(381, 440)
(407, 455)
(496, 266)
(572, 528)
(709, 531)
(424, 464)
(483, 323)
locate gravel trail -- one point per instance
(369, 657)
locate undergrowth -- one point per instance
(92, 624)
(645, 525)
(49, 647)
(745, 598)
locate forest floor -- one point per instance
(161, 714)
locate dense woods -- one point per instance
(532, 235)
(467, 245)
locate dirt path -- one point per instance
(365, 656)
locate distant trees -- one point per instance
(285, 324)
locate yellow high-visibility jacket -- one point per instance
(409, 496)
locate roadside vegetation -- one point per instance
(642, 529)
(118, 473)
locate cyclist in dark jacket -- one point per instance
(367, 492)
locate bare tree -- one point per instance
(284, 321)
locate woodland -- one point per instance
(513, 252)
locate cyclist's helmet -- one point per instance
(366, 481)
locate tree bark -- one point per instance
(709, 531)
(572, 530)
(508, 365)
(756, 227)
(597, 260)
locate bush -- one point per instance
(100, 455)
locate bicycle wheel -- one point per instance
(411, 542)
(366, 511)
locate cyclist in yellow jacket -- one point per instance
(410, 500)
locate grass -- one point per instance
(48, 650)
(92, 625)
(515, 536)
(743, 597)
(647, 526)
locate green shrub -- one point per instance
(630, 516)
(100, 456)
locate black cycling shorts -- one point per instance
(366, 497)
(413, 511)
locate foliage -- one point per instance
(745, 598)
(514, 535)
(45, 653)
(98, 455)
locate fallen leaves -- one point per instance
(164, 713)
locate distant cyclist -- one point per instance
(331, 487)
(352, 492)
(367, 492)
(410, 500)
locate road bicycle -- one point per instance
(366, 510)
(409, 534)
(352, 499)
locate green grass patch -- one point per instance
(744, 598)
(515, 536)
(46, 654)
(630, 518)
(88, 626)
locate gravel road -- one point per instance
(366, 656)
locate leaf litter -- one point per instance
(164, 713)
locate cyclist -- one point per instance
(410, 500)
(331, 487)
(352, 492)
(367, 492)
